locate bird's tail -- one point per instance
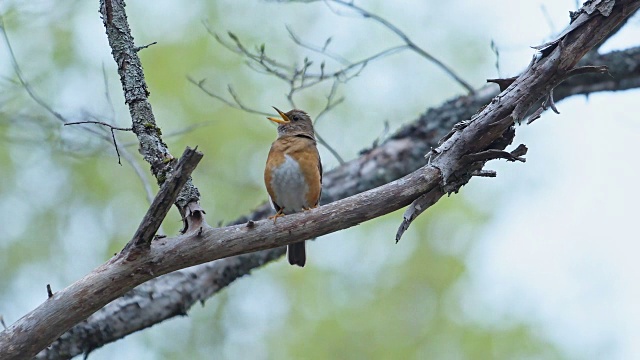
(296, 254)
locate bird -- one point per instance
(293, 173)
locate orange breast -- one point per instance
(293, 174)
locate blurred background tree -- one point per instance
(528, 265)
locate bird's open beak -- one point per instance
(284, 120)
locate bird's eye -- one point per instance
(295, 118)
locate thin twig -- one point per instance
(261, 62)
(331, 149)
(405, 38)
(107, 94)
(99, 123)
(32, 94)
(128, 157)
(298, 78)
(330, 102)
(145, 46)
(113, 129)
(235, 105)
(321, 50)
(240, 49)
(23, 82)
(496, 52)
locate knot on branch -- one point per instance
(193, 218)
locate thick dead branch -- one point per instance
(487, 133)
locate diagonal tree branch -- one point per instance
(136, 94)
(174, 293)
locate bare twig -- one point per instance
(330, 104)
(413, 46)
(238, 104)
(298, 78)
(503, 83)
(235, 105)
(331, 149)
(549, 102)
(318, 49)
(128, 157)
(38, 100)
(331, 101)
(21, 78)
(113, 135)
(145, 46)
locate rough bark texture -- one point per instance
(491, 128)
(164, 200)
(148, 304)
(136, 95)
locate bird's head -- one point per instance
(294, 122)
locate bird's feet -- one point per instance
(276, 216)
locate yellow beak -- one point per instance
(284, 120)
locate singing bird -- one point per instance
(293, 174)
